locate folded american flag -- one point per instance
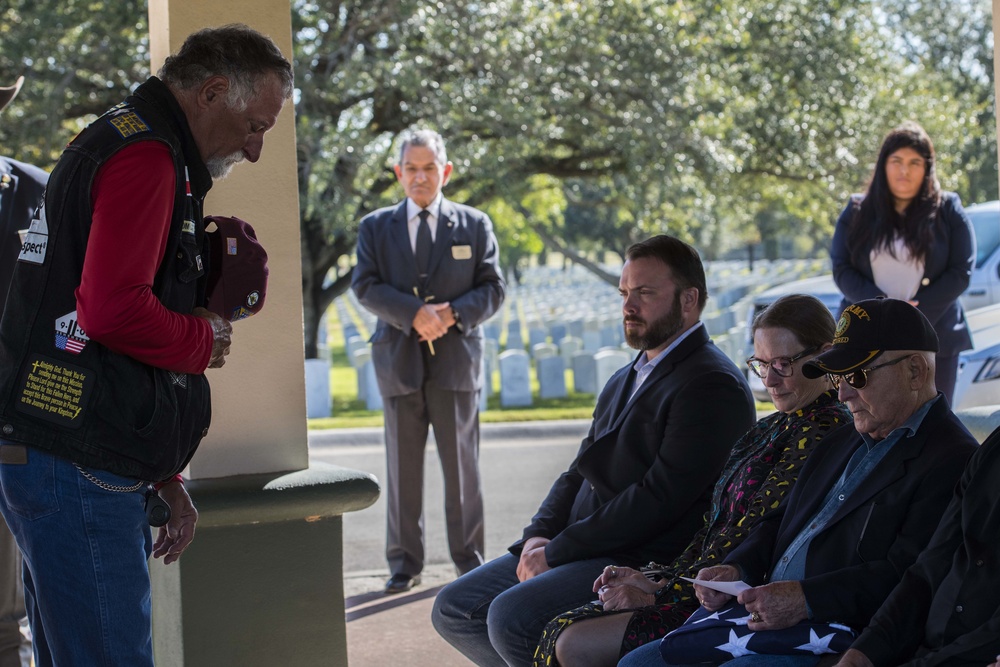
(723, 635)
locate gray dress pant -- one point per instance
(454, 416)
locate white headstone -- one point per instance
(551, 377)
(592, 341)
(607, 362)
(358, 360)
(491, 349)
(352, 345)
(318, 399)
(536, 336)
(372, 396)
(584, 373)
(569, 346)
(515, 382)
(543, 350)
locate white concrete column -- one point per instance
(258, 398)
(262, 582)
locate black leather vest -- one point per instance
(67, 394)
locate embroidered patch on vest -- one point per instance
(36, 241)
(127, 122)
(70, 336)
(54, 391)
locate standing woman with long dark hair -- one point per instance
(906, 239)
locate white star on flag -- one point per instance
(710, 617)
(737, 646)
(817, 645)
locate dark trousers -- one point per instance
(454, 416)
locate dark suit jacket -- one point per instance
(946, 610)
(947, 270)
(464, 270)
(642, 479)
(21, 189)
(859, 557)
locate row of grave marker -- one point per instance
(591, 343)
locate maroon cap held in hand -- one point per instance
(237, 280)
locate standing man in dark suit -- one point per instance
(429, 269)
(21, 189)
(641, 481)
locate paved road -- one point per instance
(518, 463)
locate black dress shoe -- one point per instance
(400, 583)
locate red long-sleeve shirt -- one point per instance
(132, 199)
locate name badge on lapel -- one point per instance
(461, 252)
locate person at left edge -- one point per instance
(105, 340)
(21, 189)
(427, 350)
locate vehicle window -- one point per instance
(986, 224)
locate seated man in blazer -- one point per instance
(868, 498)
(641, 481)
(946, 610)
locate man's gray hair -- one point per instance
(429, 139)
(235, 51)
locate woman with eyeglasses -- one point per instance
(635, 608)
(906, 239)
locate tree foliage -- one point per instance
(581, 125)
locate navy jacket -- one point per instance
(878, 532)
(947, 270)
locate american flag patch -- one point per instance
(74, 345)
(70, 336)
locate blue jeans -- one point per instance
(86, 580)
(648, 655)
(496, 621)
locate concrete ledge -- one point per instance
(322, 490)
(981, 420)
(262, 583)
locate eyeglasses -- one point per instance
(859, 378)
(782, 366)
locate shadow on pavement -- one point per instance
(360, 606)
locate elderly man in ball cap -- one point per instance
(867, 500)
(21, 189)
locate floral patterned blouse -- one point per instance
(760, 472)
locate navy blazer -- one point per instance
(21, 189)
(464, 270)
(947, 271)
(881, 528)
(642, 479)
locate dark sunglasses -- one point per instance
(859, 378)
(782, 366)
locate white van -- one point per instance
(984, 287)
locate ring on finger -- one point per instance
(755, 617)
(614, 570)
